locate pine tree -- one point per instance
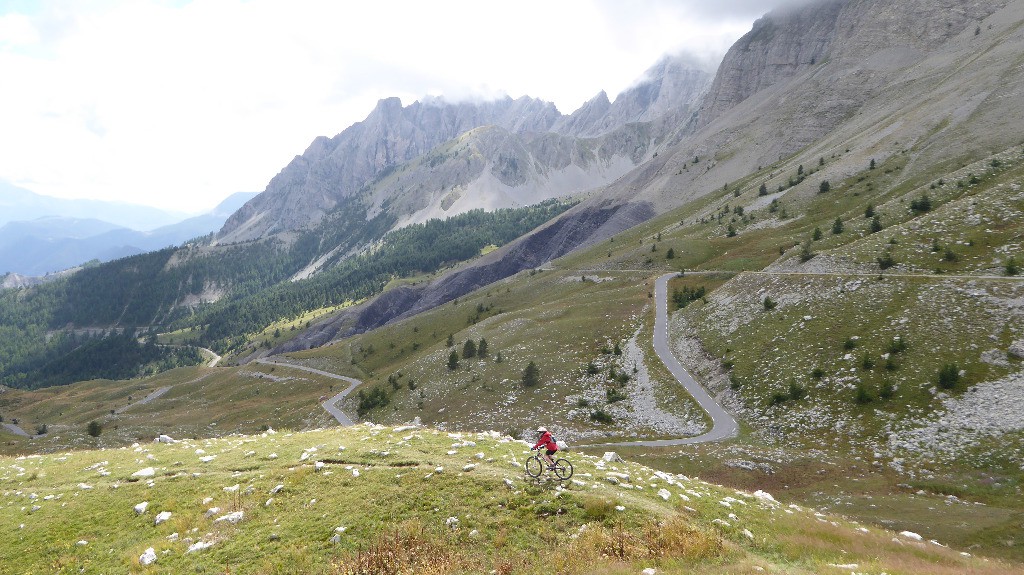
(451, 340)
(805, 251)
(481, 350)
(670, 254)
(837, 226)
(453, 360)
(871, 166)
(876, 224)
(816, 235)
(763, 190)
(1012, 268)
(94, 428)
(531, 375)
(869, 212)
(469, 349)
(824, 186)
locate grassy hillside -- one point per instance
(833, 412)
(388, 500)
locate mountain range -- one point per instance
(836, 212)
(55, 243)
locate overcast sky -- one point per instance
(179, 104)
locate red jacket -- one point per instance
(547, 442)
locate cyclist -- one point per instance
(548, 442)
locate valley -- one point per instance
(799, 277)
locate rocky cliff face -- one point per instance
(673, 84)
(793, 40)
(332, 169)
(527, 154)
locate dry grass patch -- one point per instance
(408, 548)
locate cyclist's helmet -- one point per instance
(541, 429)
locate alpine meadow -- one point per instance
(774, 309)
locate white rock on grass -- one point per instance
(207, 458)
(82, 543)
(163, 439)
(664, 494)
(211, 512)
(198, 546)
(141, 507)
(452, 523)
(911, 535)
(84, 486)
(232, 518)
(161, 517)
(649, 571)
(149, 557)
(147, 472)
(272, 456)
(232, 489)
(277, 489)
(469, 467)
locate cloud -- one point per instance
(181, 104)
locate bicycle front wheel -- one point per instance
(534, 467)
(563, 469)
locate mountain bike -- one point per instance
(535, 466)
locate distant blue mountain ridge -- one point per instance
(42, 235)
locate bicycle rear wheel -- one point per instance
(563, 469)
(534, 466)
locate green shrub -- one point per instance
(876, 224)
(949, 376)
(613, 394)
(898, 344)
(863, 396)
(796, 391)
(886, 260)
(1011, 267)
(887, 391)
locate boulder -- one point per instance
(148, 558)
(1016, 350)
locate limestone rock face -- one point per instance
(673, 84)
(332, 169)
(792, 40)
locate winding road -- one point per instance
(16, 430)
(723, 425)
(331, 405)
